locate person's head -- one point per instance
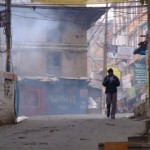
(110, 71)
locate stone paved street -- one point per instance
(67, 132)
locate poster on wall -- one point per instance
(125, 52)
(140, 74)
(112, 51)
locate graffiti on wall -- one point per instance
(8, 89)
(62, 99)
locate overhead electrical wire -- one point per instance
(36, 18)
(95, 31)
(69, 20)
(102, 43)
(52, 19)
(126, 13)
(59, 19)
(113, 11)
(96, 41)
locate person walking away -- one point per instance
(111, 82)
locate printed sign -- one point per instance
(140, 74)
(8, 75)
(125, 52)
(112, 51)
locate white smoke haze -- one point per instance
(29, 26)
(31, 29)
(38, 28)
(34, 32)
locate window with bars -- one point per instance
(131, 40)
(54, 60)
(136, 38)
(143, 30)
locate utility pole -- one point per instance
(105, 45)
(8, 35)
(148, 91)
(105, 52)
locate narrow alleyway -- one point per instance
(67, 132)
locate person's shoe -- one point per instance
(112, 117)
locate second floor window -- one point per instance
(54, 59)
(54, 64)
(131, 41)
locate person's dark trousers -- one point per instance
(111, 101)
(108, 110)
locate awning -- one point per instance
(79, 15)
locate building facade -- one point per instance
(130, 28)
(50, 42)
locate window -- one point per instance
(143, 30)
(54, 63)
(144, 9)
(136, 37)
(131, 40)
(54, 59)
(136, 7)
(132, 13)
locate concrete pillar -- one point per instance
(7, 98)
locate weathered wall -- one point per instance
(30, 62)
(7, 98)
(74, 64)
(74, 60)
(135, 23)
(34, 39)
(32, 59)
(34, 63)
(73, 34)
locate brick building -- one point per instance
(130, 22)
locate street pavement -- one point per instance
(68, 132)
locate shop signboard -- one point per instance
(140, 74)
(121, 52)
(125, 52)
(112, 51)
